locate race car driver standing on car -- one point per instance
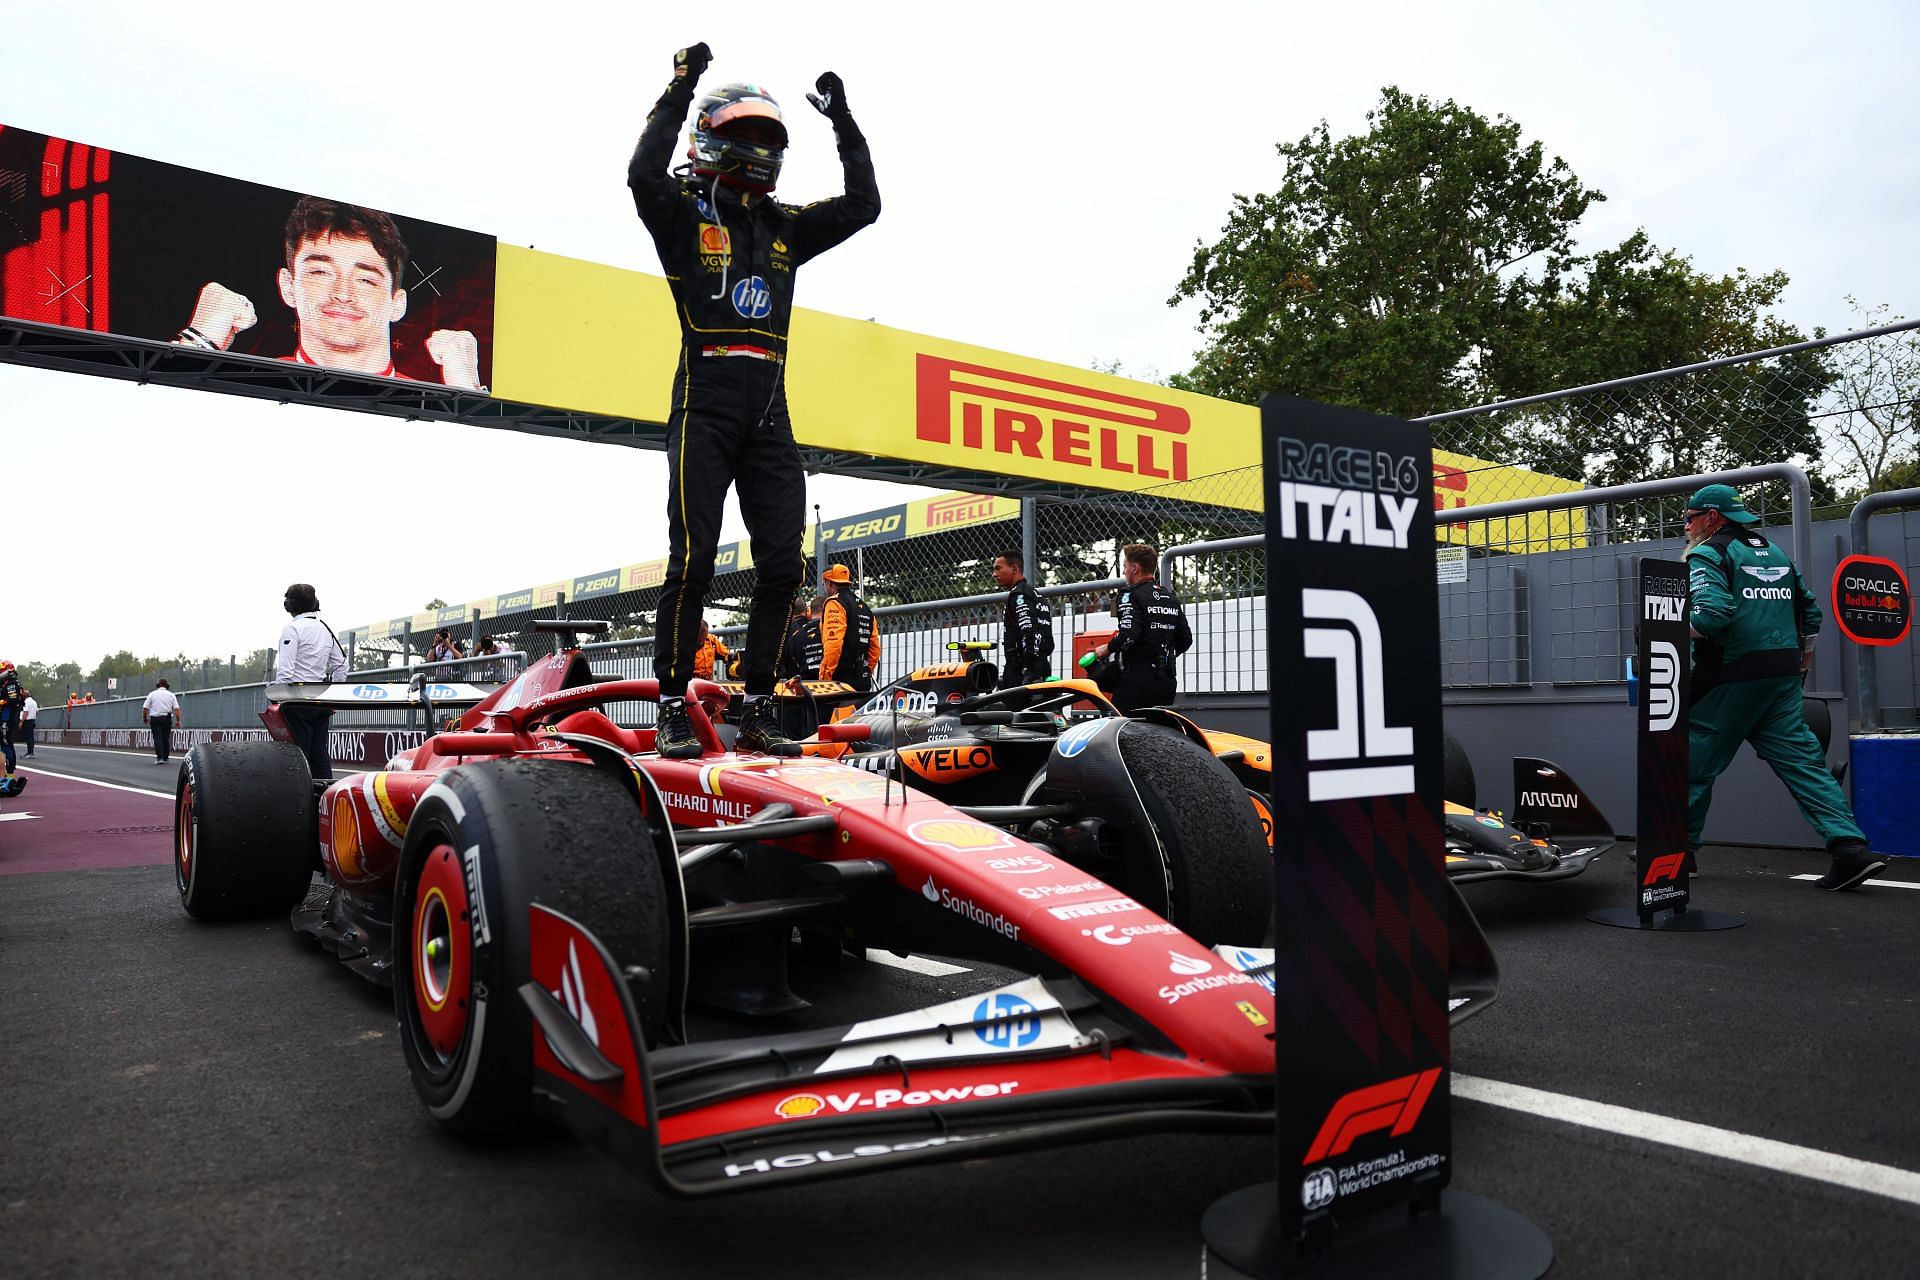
(1753, 623)
(1152, 633)
(730, 254)
(849, 633)
(1026, 631)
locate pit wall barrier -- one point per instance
(356, 749)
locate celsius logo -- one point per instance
(1187, 966)
(752, 298)
(1008, 1022)
(1663, 686)
(1075, 740)
(1361, 737)
(1115, 935)
(1318, 1189)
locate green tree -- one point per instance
(435, 603)
(1429, 264)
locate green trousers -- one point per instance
(1768, 714)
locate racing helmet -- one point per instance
(738, 137)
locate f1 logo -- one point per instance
(1361, 731)
(1663, 686)
(1395, 1105)
(1665, 867)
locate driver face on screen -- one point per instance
(343, 293)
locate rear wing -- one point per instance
(343, 694)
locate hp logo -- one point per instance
(1019, 1025)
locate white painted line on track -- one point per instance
(1882, 884)
(1765, 1153)
(917, 964)
(95, 782)
(99, 751)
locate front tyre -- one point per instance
(244, 830)
(486, 843)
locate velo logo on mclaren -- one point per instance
(1018, 414)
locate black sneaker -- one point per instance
(760, 730)
(1853, 862)
(673, 738)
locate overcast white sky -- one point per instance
(1046, 172)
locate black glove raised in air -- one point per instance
(691, 63)
(831, 100)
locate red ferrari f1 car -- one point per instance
(667, 954)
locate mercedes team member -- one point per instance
(1754, 622)
(1026, 630)
(309, 653)
(730, 254)
(849, 633)
(1152, 633)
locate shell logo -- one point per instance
(799, 1106)
(346, 835)
(959, 835)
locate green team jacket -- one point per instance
(1752, 607)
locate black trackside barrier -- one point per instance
(1361, 902)
(1662, 875)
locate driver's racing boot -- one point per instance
(673, 738)
(760, 730)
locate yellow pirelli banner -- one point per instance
(599, 339)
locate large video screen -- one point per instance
(116, 243)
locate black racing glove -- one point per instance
(691, 63)
(831, 101)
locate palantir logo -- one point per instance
(1361, 736)
(1016, 1022)
(752, 298)
(1663, 686)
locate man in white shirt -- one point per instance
(309, 654)
(159, 712)
(29, 712)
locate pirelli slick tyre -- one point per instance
(1457, 772)
(1211, 873)
(486, 843)
(244, 830)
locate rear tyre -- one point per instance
(244, 831)
(487, 842)
(1211, 870)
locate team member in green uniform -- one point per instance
(1753, 622)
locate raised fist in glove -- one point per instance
(831, 100)
(691, 62)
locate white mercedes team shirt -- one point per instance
(308, 652)
(161, 702)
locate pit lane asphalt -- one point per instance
(178, 1098)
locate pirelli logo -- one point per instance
(651, 574)
(961, 509)
(1004, 415)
